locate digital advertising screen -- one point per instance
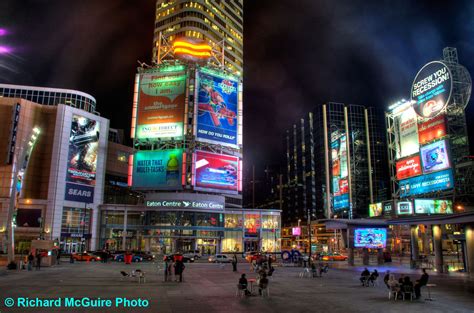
(404, 208)
(82, 159)
(340, 181)
(217, 109)
(406, 133)
(437, 181)
(296, 231)
(430, 206)
(408, 167)
(387, 208)
(435, 157)
(161, 105)
(372, 238)
(431, 89)
(375, 209)
(433, 129)
(160, 170)
(216, 172)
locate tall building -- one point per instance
(336, 164)
(216, 22)
(52, 175)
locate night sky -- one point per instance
(297, 54)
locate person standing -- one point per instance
(234, 263)
(179, 267)
(31, 259)
(38, 260)
(58, 256)
(167, 269)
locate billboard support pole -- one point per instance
(369, 158)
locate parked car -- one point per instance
(85, 256)
(219, 258)
(145, 256)
(103, 254)
(170, 257)
(196, 254)
(121, 258)
(335, 256)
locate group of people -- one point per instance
(178, 263)
(405, 285)
(34, 260)
(366, 277)
(317, 271)
(262, 283)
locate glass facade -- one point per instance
(50, 96)
(176, 230)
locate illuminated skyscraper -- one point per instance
(214, 21)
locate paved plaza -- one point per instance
(212, 287)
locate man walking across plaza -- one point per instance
(31, 259)
(234, 263)
(38, 260)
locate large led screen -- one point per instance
(433, 129)
(406, 133)
(408, 167)
(216, 172)
(82, 159)
(404, 208)
(435, 157)
(372, 238)
(429, 206)
(159, 170)
(340, 181)
(161, 105)
(375, 209)
(217, 109)
(438, 181)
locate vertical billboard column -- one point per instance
(340, 171)
(161, 106)
(82, 159)
(217, 108)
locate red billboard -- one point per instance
(408, 167)
(433, 129)
(216, 172)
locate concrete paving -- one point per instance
(211, 288)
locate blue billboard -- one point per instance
(159, 170)
(435, 157)
(438, 181)
(341, 202)
(217, 109)
(79, 193)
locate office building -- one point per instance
(336, 164)
(217, 23)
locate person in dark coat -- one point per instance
(364, 276)
(420, 283)
(243, 284)
(234, 263)
(31, 259)
(38, 260)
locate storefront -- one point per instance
(173, 229)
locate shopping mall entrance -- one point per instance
(251, 245)
(207, 246)
(184, 245)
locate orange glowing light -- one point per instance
(192, 49)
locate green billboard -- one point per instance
(159, 170)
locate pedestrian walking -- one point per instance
(58, 256)
(234, 263)
(38, 260)
(31, 259)
(178, 267)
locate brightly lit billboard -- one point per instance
(217, 109)
(437, 181)
(406, 133)
(216, 172)
(82, 159)
(372, 238)
(340, 181)
(430, 206)
(161, 105)
(404, 208)
(375, 209)
(435, 157)
(408, 167)
(431, 89)
(158, 170)
(432, 129)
